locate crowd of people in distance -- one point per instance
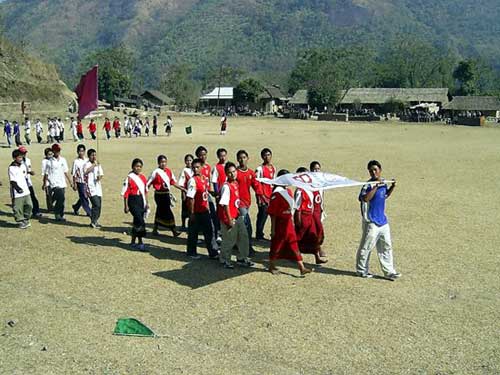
(216, 202)
(54, 130)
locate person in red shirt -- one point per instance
(199, 214)
(107, 128)
(92, 129)
(234, 232)
(319, 212)
(283, 238)
(206, 170)
(79, 130)
(266, 170)
(162, 179)
(246, 180)
(309, 235)
(135, 200)
(117, 127)
(218, 173)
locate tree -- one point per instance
(474, 77)
(412, 63)
(177, 82)
(248, 91)
(115, 71)
(328, 73)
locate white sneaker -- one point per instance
(393, 276)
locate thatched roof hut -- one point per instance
(299, 98)
(474, 103)
(378, 96)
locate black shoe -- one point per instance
(75, 211)
(245, 263)
(252, 252)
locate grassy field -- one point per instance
(65, 285)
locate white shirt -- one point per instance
(225, 195)
(182, 178)
(73, 126)
(27, 127)
(77, 171)
(45, 161)
(55, 170)
(191, 189)
(27, 166)
(18, 174)
(38, 127)
(93, 185)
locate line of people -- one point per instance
(55, 129)
(215, 202)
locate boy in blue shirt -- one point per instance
(376, 231)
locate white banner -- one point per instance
(312, 181)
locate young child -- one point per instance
(246, 180)
(135, 201)
(218, 173)
(376, 231)
(308, 233)
(199, 213)
(162, 179)
(184, 177)
(266, 170)
(79, 130)
(117, 127)
(234, 232)
(107, 128)
(283, 239)
(93, 175)
(20, 194)
(49, 154)
(77, 172)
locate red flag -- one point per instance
(87, 93)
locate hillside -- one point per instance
(23, 77)
(256, 35)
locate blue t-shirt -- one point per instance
(374, 210)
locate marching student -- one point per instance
(223, 124)
(7, 131)
(184, 178)
(246, 179)
(73, 128)
(79, 130)
(234, 232)
(38, 130)
(266, 170)
(319, 210)
(17, 134)
(375, 226)
(51, 133)
(283, 238)
(206, 170)
(146, 126)
(49, 154)
(218, 173)
(162, 179)
(56, 175)
(107, 128)
(92, 129)
(135, 201)
(27, 131)
(60, 125)
(127, 126)
(155, 125)
(57, 130)
(309, 236)
(169, 125)
(20, 194)
(28, 173)
(137, 127)
(93, 175)
(199, 213)
(78, 174)
(117, 127)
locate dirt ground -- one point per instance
(64, 286)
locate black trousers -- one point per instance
(95, 212)
(202, 222)
(36, 205)
(261, 221)
(57, 195)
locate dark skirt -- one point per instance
(136, 207)
(164, 215)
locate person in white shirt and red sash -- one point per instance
(234, 231)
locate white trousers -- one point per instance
(380, 237)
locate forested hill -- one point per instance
(255, 35)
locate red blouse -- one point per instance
(132, 188)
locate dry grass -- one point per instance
(65, 285)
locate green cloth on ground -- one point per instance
(132, 327)
(189, 129)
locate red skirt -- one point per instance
(320, 232)
(284, 243)
(308, 234)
